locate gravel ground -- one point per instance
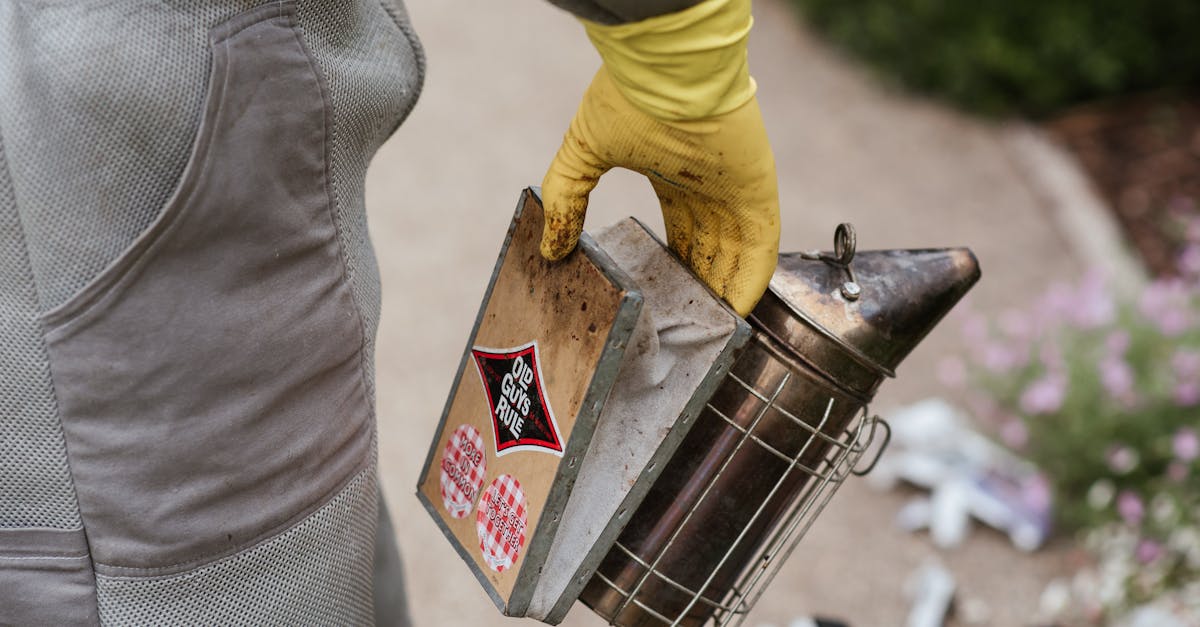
(504, 79)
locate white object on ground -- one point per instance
(1054, 600)
(1149, 616)
(932, 590)
(948, 521)
(915, 514)
(973, 611)
(968, 476)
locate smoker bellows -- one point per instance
(675, 453)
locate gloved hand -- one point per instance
(674, 101)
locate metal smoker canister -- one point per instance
(778, 435)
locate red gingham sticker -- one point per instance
(463, 470)
(501, 522)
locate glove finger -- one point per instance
(677, 217)
(733, 251)
(699, 232)
(711, 246)
(744, 253)
(571, 177)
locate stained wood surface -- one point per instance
(568, 308)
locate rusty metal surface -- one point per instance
(904, 293)
(530, 299)
(750, 477)
(778, 436)
(704, 378)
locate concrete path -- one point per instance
(504, 79)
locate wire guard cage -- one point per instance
(712, 533)
(783, 430)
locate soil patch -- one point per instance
(1143, 153)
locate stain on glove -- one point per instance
(674, 101)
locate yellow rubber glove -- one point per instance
(674, 101)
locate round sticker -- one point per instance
(463, 469)
(501, 522)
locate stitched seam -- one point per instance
(4, 558)
(221, 556)
(102, 287)
(108, 284)
(16, 541)
(283, 9)
(204, 155)
(406, 29)
(331, 195)
(34, 529)
(50, 378)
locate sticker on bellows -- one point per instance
(463, 469)
(521, 416)
(500, 523)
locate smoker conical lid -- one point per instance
(902, 296)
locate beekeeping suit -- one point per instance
(189, 298)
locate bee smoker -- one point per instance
(786, 426)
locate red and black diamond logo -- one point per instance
(521, 417)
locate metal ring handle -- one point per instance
(844, 242)
(887, 438)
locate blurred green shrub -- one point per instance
(1019, 56)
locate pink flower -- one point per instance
(1177, 472)
(1147, 551)
(1094, 306)
(1121, 459)
(1014, 434)
(1186, 364)
(1001, 357)
(1016, 324)
(1187, 394)
(1173, 321)
(1036, 493)
(1166, 304)
(1186, 444)
(975, 328)
(1130, 507)
(1117, 343)
(1045, 395)
(1050, 355)
(1117, 377)
(1055, 304)
(1189, 260)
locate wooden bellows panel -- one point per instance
(543, 355)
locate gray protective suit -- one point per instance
(188, 304)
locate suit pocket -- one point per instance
(210, 381)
